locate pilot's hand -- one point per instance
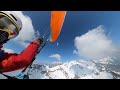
(40, 40)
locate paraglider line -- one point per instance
(46, 32)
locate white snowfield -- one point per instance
(75, 69)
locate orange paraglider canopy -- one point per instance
(56, 23)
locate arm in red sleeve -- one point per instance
(17, 61)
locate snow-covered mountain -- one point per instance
(75, 69)
(70, 70)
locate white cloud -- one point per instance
(8, 50)
(56, 56)
(95, 44)
(27, 33)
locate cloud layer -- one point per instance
(27, 33)
(56, 56)
(95, 44)
(8, 50)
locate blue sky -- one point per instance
(77, 23)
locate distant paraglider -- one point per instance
(57, 44)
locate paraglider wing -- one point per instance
(56, 23)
